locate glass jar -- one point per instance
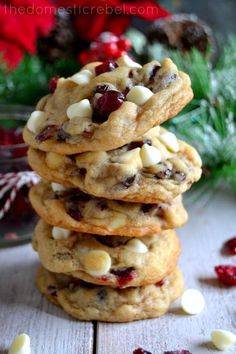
(17, 218)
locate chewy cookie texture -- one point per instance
(103, 109)
(110, 196)
(155, 168)
(70, 208)
(113, 261)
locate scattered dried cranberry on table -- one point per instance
(230, 246)
(177, 352)
(226, 274)
(141, 351)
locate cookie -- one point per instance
(74, 210)
(112, 261)
(155, 168)
(100, 111)
(88, 302)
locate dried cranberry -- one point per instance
(178, 352)
(141, 351)
(46, 133)
(226, 274)
(140, 143)
(52, 85)
(230, 246)
(101, 89)
(128, 181)
(109, 102)
(108, 65)
(166, 174)
(160, 283)
(124, 276)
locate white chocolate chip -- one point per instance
(97, 263)
(54, 160)
(82, 78)
(223, 339)
(170, 141)
(139, 95)
(150, 155)
(192, 301)
(137, 246)
(118, 220)
(125, 60)
(59, 233)
(154, 131)
(35, 121)
(79, 110)
(21, 345)
(131, 157)
(56, 187)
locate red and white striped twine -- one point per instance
(12, 182)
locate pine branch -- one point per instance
(28, 82)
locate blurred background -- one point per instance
(41, 40)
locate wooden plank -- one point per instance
(23, 309)
(208, 227)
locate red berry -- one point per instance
(120, 53)
(109, 102)
(52, 85)
(107, 37)
(109, 50)
(226, 274)
(124, 43)
(107, 66)
(161, 282)
(141, 351)
(230, 245)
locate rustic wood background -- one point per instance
(23, 309)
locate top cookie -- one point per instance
(107, 105)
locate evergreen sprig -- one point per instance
(29, 81)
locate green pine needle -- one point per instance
(209, 121)
(29, 81)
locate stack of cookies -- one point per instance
(110, 194)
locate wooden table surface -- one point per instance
(23, 309)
